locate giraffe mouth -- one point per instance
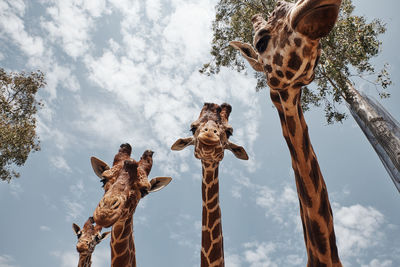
(316, 22)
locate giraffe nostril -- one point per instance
(215, 131)
(206, 129)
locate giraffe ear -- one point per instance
(76, 229)
(104, 235)
(182, 143)
(238, 151)
(99, 166)
(249, 54)
(159, 183)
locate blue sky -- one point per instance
(127, 71)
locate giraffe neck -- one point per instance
(315, 210)
(122, 244)
(85, 260)
(212, 248)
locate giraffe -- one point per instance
(121, 198)
(88, 237)
(287, 50)
(211, 132)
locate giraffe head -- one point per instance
(287, 45)
(88, 237)
(211, 133)
(109, 175)
(130, 184)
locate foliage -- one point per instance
(346, 52)
(18, 107)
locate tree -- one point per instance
(346, 53)
(18, 107)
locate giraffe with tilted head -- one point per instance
(125, 184)
(287, 50)
(88, 237)
(211, 132)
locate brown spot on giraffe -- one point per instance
(210, 139)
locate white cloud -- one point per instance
(232, 260)
(378, 263)
(71, 23)
(45, 228)
(73, 209)
(357, 228)
(16, 189)
(153, 9)
(259, 254)
(67, 258)
(7, 261)
(60, 163)
(12, 25)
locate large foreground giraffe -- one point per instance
(210, 138)
(88, 237)
(287, 50)
(121, 198)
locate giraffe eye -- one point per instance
(193, 129)
(262, 44)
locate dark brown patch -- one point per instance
(306, 144)
(285, 85)
(284, 95)
(204, 262)
(212, 204)
(332, 243)
(291, 125)
(291, 149)
(268, 68)
(127, 231)
(294, 61)
(318, 236)
(203, 192)
(278, 60)
(217, 231)
(279, 73)
(206, 165)
(212, 191)
(315, 173)
(204, 216)
(216, 252)
(121, 260)
(275, 97)
(216, 173)
(308, 66)
(274, 81)
(297, 41)
(117, 230)
(120, 247)
(324, 206)
(209, 177)
(307, 51)
(301, 187)
(213, 216)
(298, 85)
(289, 75)
(206, 240)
